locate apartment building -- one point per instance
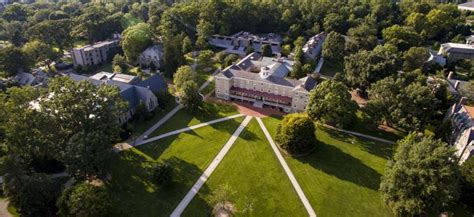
(455, 51)
(314, 45)
(462, 136)
(91, 55)
(240, 42)
(262, 81)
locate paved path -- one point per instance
(288, 172)
(188, 129)
(200, 182)
(159, 123)
(209, 80)
(4, 208)
(361, 135)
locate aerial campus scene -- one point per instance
(236, 108)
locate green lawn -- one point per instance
(342, 176)
(145, 125)
(362, 125)
(182, 118)
(253, 172)
(331, 68)
(131, 187)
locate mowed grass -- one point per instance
(131, 186)
(342, 176)
(210, 111)
(253, 173)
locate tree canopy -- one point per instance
(135, 40)
(422, 177)
(296, 134)
(331, 103)
(84, 200)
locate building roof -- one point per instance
(277, 72)
(467, 6)
(128, 92)
(313, 45)
(155, 83)
(455, 47)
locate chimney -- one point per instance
(450, 75)
(463, 101)
(456, 85)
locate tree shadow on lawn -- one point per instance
(333, 161)
(155, 149)
(380, 149)
(133, 192)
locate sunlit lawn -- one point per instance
(131, 187)
(253, 172)
(183, 118)
(342, 176)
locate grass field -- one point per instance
(342, 176)
(182, 118)
(361, 125)
(253, 173)
(189, 154)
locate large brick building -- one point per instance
(263, 82)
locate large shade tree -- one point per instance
(333, 47)
(366, 67)
(422, 178)
(331, 103)
(85, 200)
(135, 40)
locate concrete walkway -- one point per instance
(4, 208)
(288, 172)
(209, 80)
(361, 135)
(188, 129)
(200, 182)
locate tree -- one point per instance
(331, 103)
(40, 52)
(121, 61)
(94, 24)
(53, 33)
(422, 178)
(299, 54)
(17, 12)
(187, 45)
(335, 23)
(205, 57)
(366, 67)
(362, 37)
(286, 50)
(299, 42)
(182, 75)
(267, 50)
(190, 97)
(162, 174)
(135, 40)
(333, 47)
(415, 58)
(296, 134)
(204, 30)
(12, 59)
(401, 37)
(38, 196)
(229, 60)
(297, 70)
(85, 142)
(418, 22)
(84, 200)
(14, 32)
(173, 53)
(405, 102)
(467, 182)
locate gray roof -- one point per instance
(467, 4)
(458, 48)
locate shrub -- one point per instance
(162, 174)
(296, 135)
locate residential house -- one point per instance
(455, 51)
(151, 56)
(240, 42)
(461, 138)
(470, 40)
(132, 89)
(263, 82)
(91, 55)
(314, 45)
